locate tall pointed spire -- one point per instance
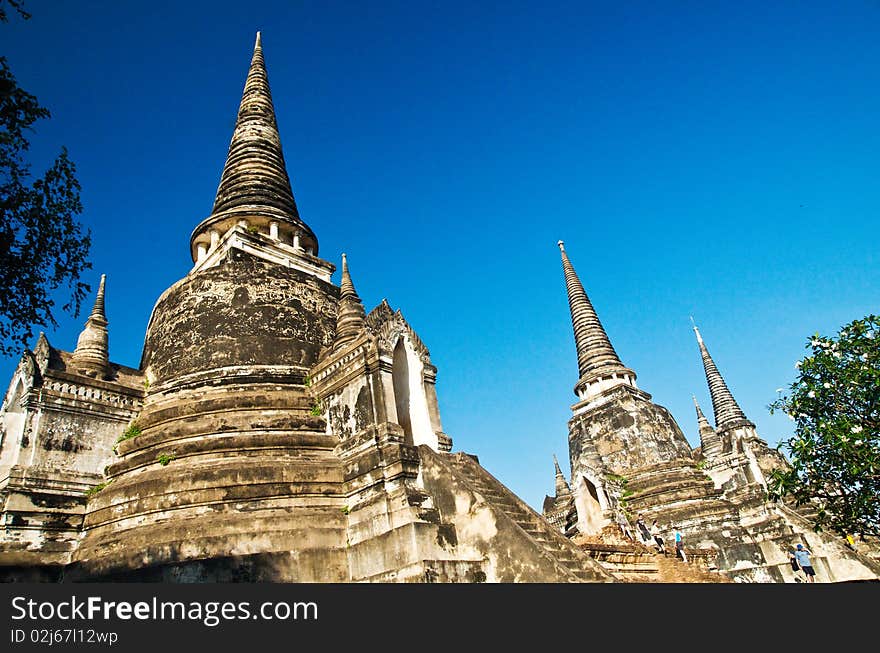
(91, 356)
(710, 442)
(255, 175)
(254, 183)
(562, 487)
(98, 308)
(596, 357)
(350, 314)
(727, 411)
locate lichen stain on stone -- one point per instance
(54, 501)
(244, 312)
(363, 412)
(447, 537)
(240, 298)
(67, 442)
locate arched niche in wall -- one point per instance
(14, 404)
(11, 428)
(410, 399)
(400, 376)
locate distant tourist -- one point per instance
(803, 558)
(643, 530)
(624, 526)
(795, 567)
(655, 532)
(679, 545)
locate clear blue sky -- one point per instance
(708, 159)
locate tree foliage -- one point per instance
(16, 5)
(42, 246)
(835, 450)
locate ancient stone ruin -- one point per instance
(629, 457)
(277, 431)
(274, 430)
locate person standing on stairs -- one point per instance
(679, 545)
(642, 527)
(655, 531)
(624, 525)
(803, 557)
(795, 567)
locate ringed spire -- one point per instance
(350, 314)
(562, 487)
(710, 443)
(597, 359)
(727, 411)
(91, 356)
(254, 185)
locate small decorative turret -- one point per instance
(350, 314)
(562, 487)
(710, 442)
(727, 411)
(597, 360)
(91, 356)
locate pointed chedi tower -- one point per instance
(59, 420)
(91, 356)
(285, 435)
(615, 428)
(562, 488)
(559, 509)
(727, 412)
(254, 179)
(350, 315)
(629, 456)
(736, 433)
(229, 453)
(710, 443)
(254, 193)
(599, 366)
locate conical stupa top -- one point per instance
(98, 309)
(350, 314)
(724, 405)
(701, 419)
(91, 356)
(561, 484)
(710, 441)
(596, 356)
(556, 465)
(254, 179)
(346, 287)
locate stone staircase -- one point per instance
(635, 562)
(867, 553)
(672, 570)
(564, 552)
(629, 560)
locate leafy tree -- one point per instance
(835, 450)
(42, 247)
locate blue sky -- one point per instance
(709, 159)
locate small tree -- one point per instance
(835, 450)
(42, 247)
